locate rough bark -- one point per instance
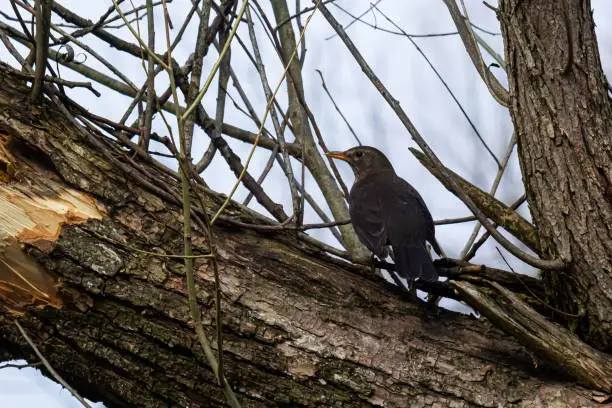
(562, 115)
(301, 329)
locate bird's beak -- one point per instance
(337, 155)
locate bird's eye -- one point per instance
(358, 153)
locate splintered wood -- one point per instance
(34, 205)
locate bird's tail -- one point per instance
(414, 262)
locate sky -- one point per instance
(400, 67)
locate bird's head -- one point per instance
(364, 160)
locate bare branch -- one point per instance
(337, 108)
(301, 118)
(148, 116)
(43, 24)
(465, 31)
(112, 40)
(19, 366)
(496, 181)
(486, 235)
(49, 368)
(201, 49)
(69, 84)
(449, 221)
(287, 168)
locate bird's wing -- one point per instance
(409, 225)
(368, 219)
(405, 203)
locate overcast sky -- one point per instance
(400, 67)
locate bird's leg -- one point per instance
(373, 262)
(408, 289)
(412, 288)
(373, 268)
(433, 299)
(433, 304)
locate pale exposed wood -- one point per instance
(34, 206)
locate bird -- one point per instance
(386, 211)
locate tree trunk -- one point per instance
(563, 117)
(301, 329)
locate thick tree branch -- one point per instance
(494, 209)
(552, 342)
(303, 329)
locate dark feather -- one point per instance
(414, 262)
(386, 210)
(368, 220)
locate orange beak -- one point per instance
(337, 155)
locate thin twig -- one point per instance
(144, 46)
(24, 279)
(286, 226)
(288, 169)
(148, 116)
(48, 366)
(267, 110)
(217, 63)
(448, 221)
(499, 93)
(96, 55)
(233, 160)
(451, 93)
(138, 97)
(20, 366)
(337, 108)
(472, 253)
(297, 14)
(531, 292)
(264, 174)
(69, 84)
(400, 33)
(148, 253)
(201, 48)
(24, 27)
(494, 186)
(298, 23)
(354, 18)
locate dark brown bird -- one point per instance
(386, 210)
